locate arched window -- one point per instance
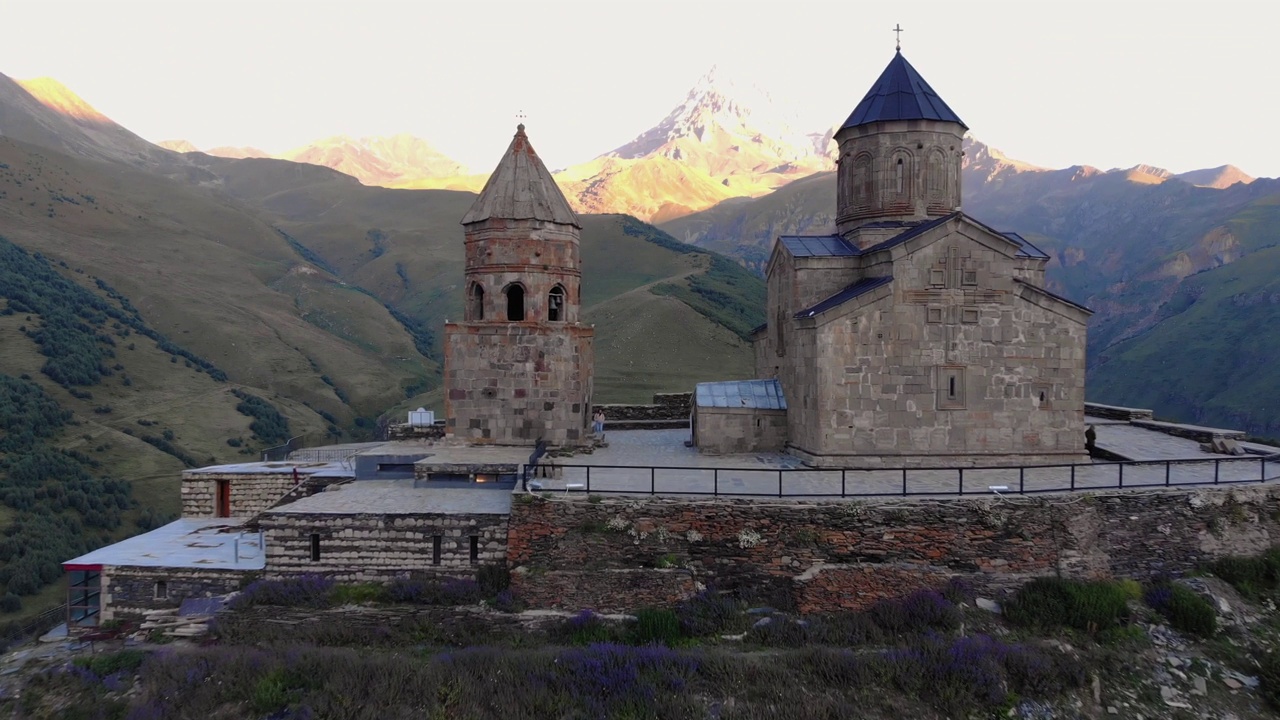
(900, 176)
(862, 189)
(515, 302)
(937, 175)
(555, 304)
(477, 302)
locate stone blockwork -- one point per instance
(610, 589)
(354, 548)
(829, 556)
(250, 492)
(512, 383)
(668, 410)
(130, 592)
(719, 431)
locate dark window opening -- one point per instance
(515, 303)
(477, 302)
(951, 386)
(1041, 396)
(395, 467)
(84, 590)
(315, 547)
(900, 174)
(555, 304)
(162, 590)
(435, 550)
(475, 549)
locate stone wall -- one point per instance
(720, 431)
(128, 592)
(355, 548)
(512, 383)
(1115, 412)
(251, 493)
(827, 556)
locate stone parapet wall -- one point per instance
(251, 493)
(838, 555)
(1190, 432)
(405, 431)
(129, 592)
(356, 548)
(665, 406)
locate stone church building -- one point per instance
(519, 365)
(916, 335)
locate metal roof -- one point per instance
(916, 231)
(865, 285)
(195, 543)
(817, 246)
(1028, 250)
(755, 394)
(901, 94)
(1055, 296)
(521, 188)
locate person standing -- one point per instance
(598, 425)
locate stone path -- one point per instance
(1141, 444)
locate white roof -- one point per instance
(192, 543)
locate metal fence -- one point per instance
(280, 453)
(17, 633)
(900, 482)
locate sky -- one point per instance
(1180, 85)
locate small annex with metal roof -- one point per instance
(739, 416)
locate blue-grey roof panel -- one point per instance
(864, 285)
(900, 94)
(752, 394)
(1028, 250)
(913, 232)
(817, 246)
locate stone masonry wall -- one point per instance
(251, 493)
(128, 592)
(512, 383)
(828, 556)
(355, 548)
(740, 430)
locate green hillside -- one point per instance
(405, 248)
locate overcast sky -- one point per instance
(1111, 84)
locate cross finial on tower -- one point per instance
(897, 31)
(520, 118)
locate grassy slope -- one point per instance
(1218, 340)
(406, 248)
(209, 274)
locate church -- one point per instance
(914, 335)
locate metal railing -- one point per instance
(18, 633)
(280, 453)
(904, 482)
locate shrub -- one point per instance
(919, 610)
(109, 663)
(493, 578)
(1183, 608)
(584, 628)
(1269, 678)
(1088, 606)
(10, 603)
(428, 590)
(358, 594)
(305, 591)
(507, 601)
(710, 613)
(1252, 577)
(656, 626)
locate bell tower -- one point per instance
(519, 366)
(900, 155)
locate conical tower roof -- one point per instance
(901, 94)
(521, 188)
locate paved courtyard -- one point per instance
(643, 461)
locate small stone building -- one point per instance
(915, 334)
(739, 417)
(519, 365)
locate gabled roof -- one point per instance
(900, 94)
(817, 246)
(521, 188)
(1055, 296)
(861, 287)
(1028, 250)
(754, 394)
(916, 231)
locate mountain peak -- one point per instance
(1223, 176)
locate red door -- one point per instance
(224, 498)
